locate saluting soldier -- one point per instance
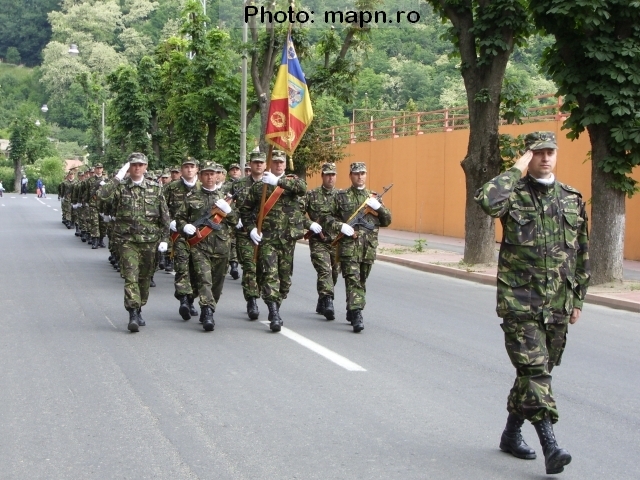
(142, 221)
(282, 226)
(244, 245)
(322, 253)
(209, 246)
(543, 274)
(357, 247)
(185, 281)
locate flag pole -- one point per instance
(262, 202)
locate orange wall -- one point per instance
(428, 195)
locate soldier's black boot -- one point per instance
(117, 265)
(356, 320)
(252, 308)
(329, 311)
(141, 321)
(134, 320)
(555, 458)
(192, 309)
(83, 236)
(512, 441)
(101, 243)
(234, 270)
(350, 316)
(320, 306)
(169, 265)
(274, 316)
(207, 318)
(184, 308)
(77, 234)
(94, 243)
(152, 283)
(161, 262)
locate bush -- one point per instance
(13, 56)
(6, 177)
(49, 170)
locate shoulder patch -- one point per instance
(570, 189)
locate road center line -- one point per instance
(40, 201)
(55, 209)
(320, 350)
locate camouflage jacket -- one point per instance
(543, 267)
(286, 220)
(363, 247)
(317, 203)
(198, 203)
(141, 211)
(241, 189)
(175, 192)
(65, 189)
(75, 191)
(91, 189)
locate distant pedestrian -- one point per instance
(1, 189)
(39, 187)
(23, 185)
(543, 274)
(43, 191)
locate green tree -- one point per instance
(484, 34)
(13, 56)
(29, 143)
(595, 60)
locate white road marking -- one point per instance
(55, 209)
(13, 197)
(3, 204)
(111, 322)
(40, 201)
(320, 350)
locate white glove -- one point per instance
(315, 228)
(123, 171)
(162, 247)
(172, 226)
(373, 203)
(269, 178)
(102, 182)
(75, 205)
(189, 229)
(106, 218)
(239, 225)
(347, 230)
(255, 236)
(223, 205)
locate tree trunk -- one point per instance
(606, 245)
(17, 171)
(483, 160)
(211, 136)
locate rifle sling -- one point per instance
(206, 230)
(271, 201)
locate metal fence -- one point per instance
(372, 125)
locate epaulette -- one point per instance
(570, 189)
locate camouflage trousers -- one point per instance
(244, 247)
(93, 220)
(137, 264)
(534, 348)
(185, 282)
(210, 271)
(323, 259)
(82, 218)
(233, 252)
(65, 206)
(275, 267)
(355, 276)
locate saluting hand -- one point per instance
(523, 162)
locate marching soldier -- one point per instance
(322, 253)
(244, 245)
(142, 220)
(357, 247)
(234, 176)
(96, 230)
(65, 197)
(543, 274)
(209, 246)
(282, 226)
(76, 204)
(175, 173)
(185, 281)
(235, 173)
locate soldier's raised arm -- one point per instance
(293, 184)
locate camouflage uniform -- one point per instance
(95, 224)
(323, 255)
(281, 228)
(211, 255)
(185, 281)
(356, 254)
(142, 221)
(543, 273)
(65, 195)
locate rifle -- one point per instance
(358, 219)
(213, 217)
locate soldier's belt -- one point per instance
(174, 236)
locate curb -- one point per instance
(491, 280)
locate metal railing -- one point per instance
(419, 123)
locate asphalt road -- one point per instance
(423, 395)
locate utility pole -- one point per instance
(243, 99)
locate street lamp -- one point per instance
(73, 50)
(44, 108)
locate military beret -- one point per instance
(540, 140)
(234, 165)
(209, 166)
(257, 157)
(190, 161)
(137, 157)
(279, 156)
(357, 167)
(329, 168)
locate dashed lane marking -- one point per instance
(320, 350)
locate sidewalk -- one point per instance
(443, 255)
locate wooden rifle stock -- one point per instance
(262, 201)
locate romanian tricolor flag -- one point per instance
(290, 112)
